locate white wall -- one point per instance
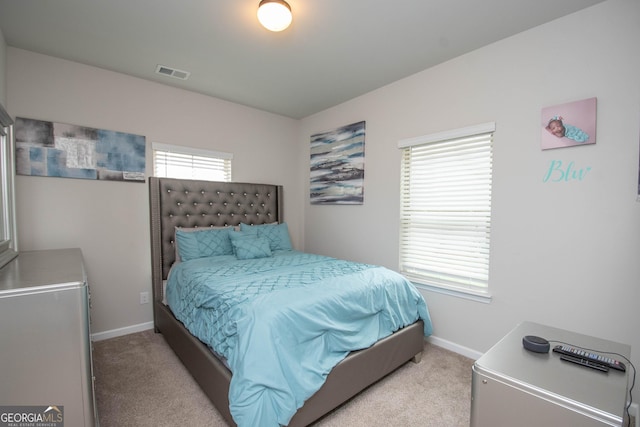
(565, 254)
(109, 221)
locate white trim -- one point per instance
(191, 151)
(456, 348)
(459, 293)
(113, 333)
(449, 134)
(448, 345)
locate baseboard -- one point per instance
(456, 348)
(113, 333)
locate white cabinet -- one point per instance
(45, 344)
(514, 386)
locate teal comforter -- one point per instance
(285, 321)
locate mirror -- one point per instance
(8, 242)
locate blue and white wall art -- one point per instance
(69, 151)
(337, 166)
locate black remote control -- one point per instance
(585, 362)
(593, 357)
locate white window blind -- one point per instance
(445, 220)
(189, 163)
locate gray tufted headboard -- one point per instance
(190, 203)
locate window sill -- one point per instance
(482, 297)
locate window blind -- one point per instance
(190, 163)
(445, 220)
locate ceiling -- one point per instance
(335, 50)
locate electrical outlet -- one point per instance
(144, 297)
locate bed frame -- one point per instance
(189, 203)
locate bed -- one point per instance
(192, 205)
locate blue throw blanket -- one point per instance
(285, 321)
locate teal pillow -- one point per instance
(203, 242)
(238, 234)
(276, 234)
(249, 247)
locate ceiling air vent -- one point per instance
(172, 72)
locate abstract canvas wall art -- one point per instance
(69, 151)
(337, 166)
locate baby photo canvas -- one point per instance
(569, 124)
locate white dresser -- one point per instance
(512, 386)
(45, 344)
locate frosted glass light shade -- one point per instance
(274, 15)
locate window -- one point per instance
(445, 218)
(172, 161)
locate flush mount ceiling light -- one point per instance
(274, 15)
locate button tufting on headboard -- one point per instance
(191, 204)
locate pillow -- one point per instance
(237, 234)
(195, 243)
(276, 234)
(249, 247)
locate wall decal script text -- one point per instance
(559, 173)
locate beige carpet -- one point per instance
(140, 382)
